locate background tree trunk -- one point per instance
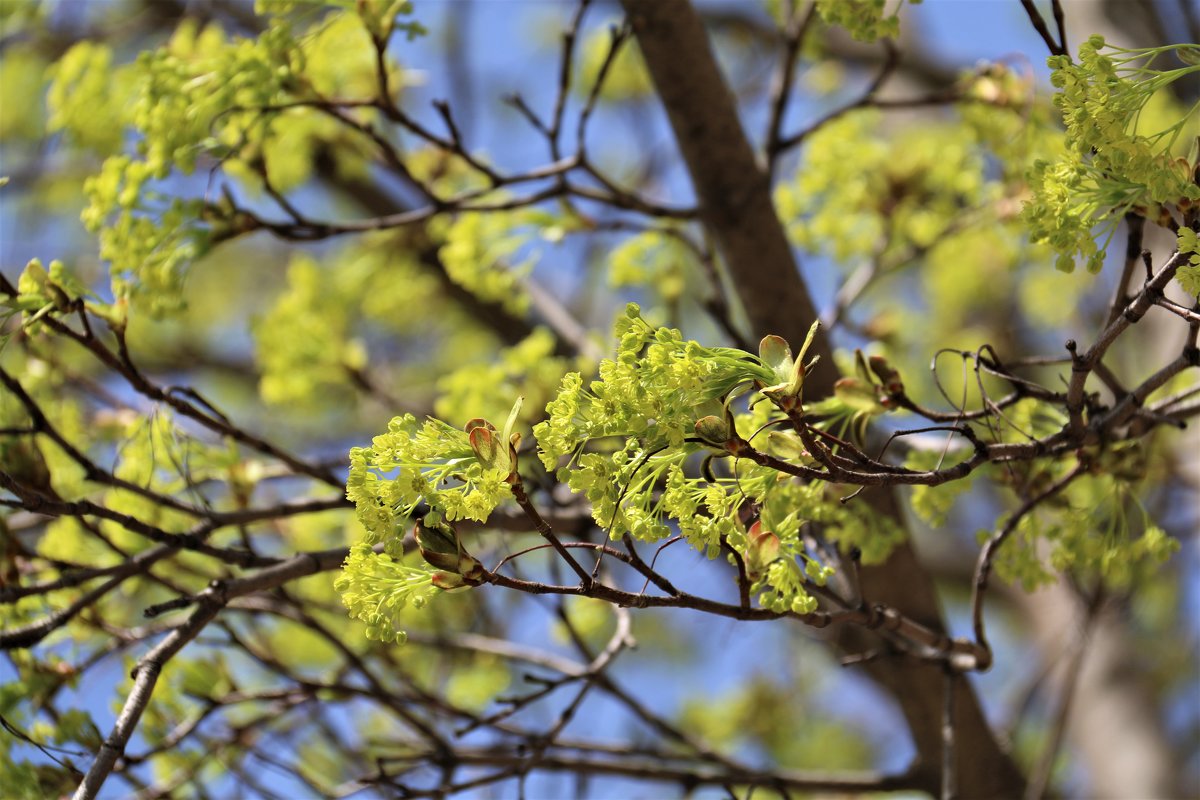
(736, 208)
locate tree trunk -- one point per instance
(736, 207)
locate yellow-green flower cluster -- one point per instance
(1189, 274)
(149, 255)
(376, 587)
(621, 487)
(528, 369)
(311, 340)
(1097, 530)
(858, 193)
(866, 20)
(786, 590)
(1109, 168)
(489, 253)
(234, 101)
(1105, 532)
(653, 259)
(414, 462)
(665, 398)
(304, 342)
(932, 504)
(655, 390)
(85, 98)
(1122, 559)
(183, 100)
(704, 510)
(787, 503)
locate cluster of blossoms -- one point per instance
(460, 474)
(858, 192)
(655, 390)
(630, 442)
(208, 97)
(667, 402)
(376, 587)
(651, 396)
(866, 20)
(443, 466)
(1090, 532)
(1109, 167)
(178, 100)
(489, 253)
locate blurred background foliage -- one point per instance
(908, 224)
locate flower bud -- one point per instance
(440, 547)
(888, 375)
(712, 429)
(438, 543)
(761, 549)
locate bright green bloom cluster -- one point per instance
(376, 587)
(772, 549)
(311, 341)
(653, 259)
(864, 19)
(786, 504)
(490, 254)
(652, 395)
(431, 461)
(1005, 119)
(620, 487)
(21, 87)
(304, 342)
(932, 504)
(1100, 98)
(207, 97)
(181, 102)
(704, 511)
(1121, 558)
(528, 369)
(149, 255)
(787, 592)
(478, 255)
(201, 92)
(85, 98)
(656, 388)
(1110, 168)
(1098, 530)
(667, 400)
(1106, 532)
(858, 193)
(1189, 274)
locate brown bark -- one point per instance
(734, 193)
(735, 201)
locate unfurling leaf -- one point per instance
(775, 353)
